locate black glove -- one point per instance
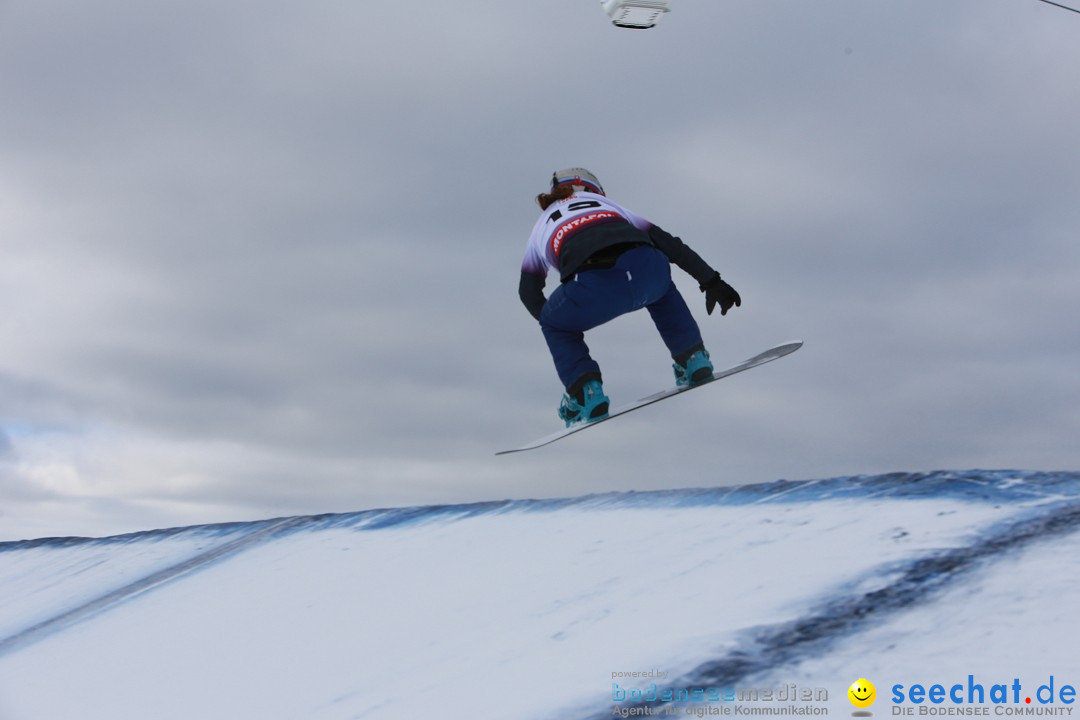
(718, 291)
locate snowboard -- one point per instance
(768, 356)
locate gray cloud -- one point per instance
(264, 259)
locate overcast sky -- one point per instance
(261, 258)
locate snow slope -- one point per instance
(546, 608)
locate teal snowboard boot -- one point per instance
(696, 369)
(588, 404)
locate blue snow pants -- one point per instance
(641, 278)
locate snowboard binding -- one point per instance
(586, 405)
(695, 369)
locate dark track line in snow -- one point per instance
(920, 581)
(143, 585)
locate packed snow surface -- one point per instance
(592, 607)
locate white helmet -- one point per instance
(580, 178)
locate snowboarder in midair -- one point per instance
(610, 262)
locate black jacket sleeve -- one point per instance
(680, 254)
(531, 292)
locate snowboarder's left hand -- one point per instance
(718, 292)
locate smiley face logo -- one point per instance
(862, 693)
